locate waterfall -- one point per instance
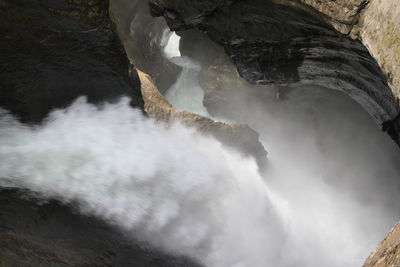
(171, 188)
(327, 197)
(186, 93)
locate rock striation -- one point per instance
(375, 23)
(272, 42)
(144, 39)
(379, 30)
(388, 252)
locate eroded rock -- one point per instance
(240, 137)
(341, 14)
(376, 23)
(185, 14)
(274, 42)
(379, 30)
(388, 252)
(144, 39)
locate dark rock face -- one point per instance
(276, 44)
(142, 36)
(53, 234)
(55, 51)
(341, 14)
(186, 14)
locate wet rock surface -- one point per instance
(272, 42)
(275, 44)
(374, 23)
(379, 29)
(36, 233)
(45, 42)
(54, 51)
(144, 39)
(185, 14)
(341, 14)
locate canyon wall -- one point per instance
(54, 51)
(74, 42)
(280, 43)
(256, 38)
(376, 23)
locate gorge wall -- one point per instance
(283, 42)
(54, 51)
(374, 22)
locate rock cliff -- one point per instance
(388, 252)
(274, 42)
(54, 51)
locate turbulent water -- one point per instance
(172, 188)
(185, 93)
(336, 172)
(329, 194)
(186, 194)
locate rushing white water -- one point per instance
(185, 93)
(170, 42)
(184, 193)
(327, 200)
(192, 99)
(337, 175)
(172, 188)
